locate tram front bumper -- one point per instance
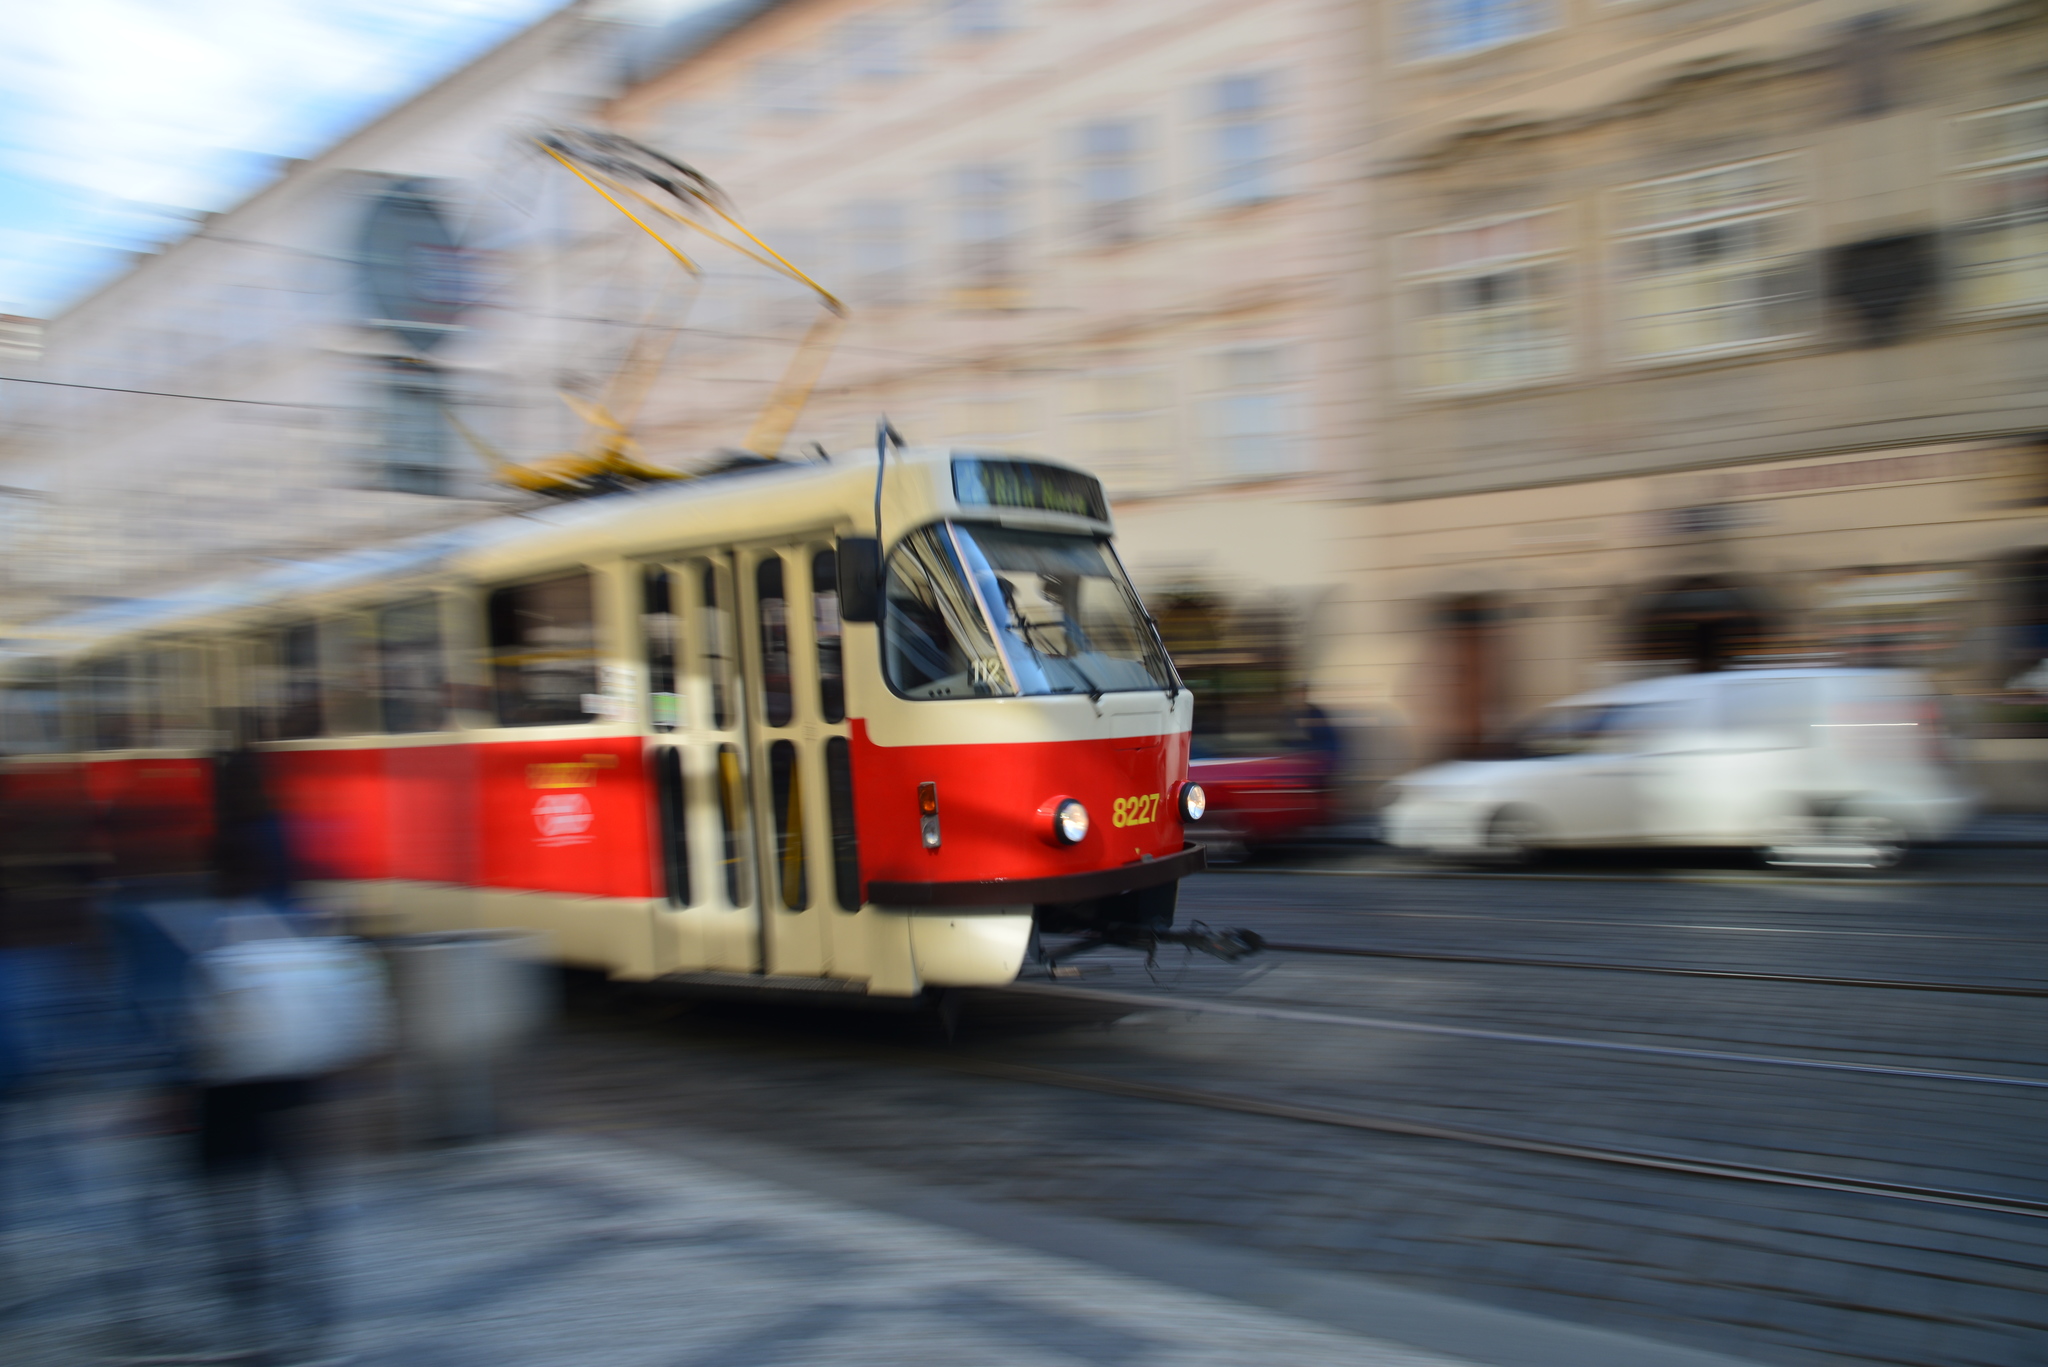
(915, 898)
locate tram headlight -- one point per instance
(1069, 822)
(1192, 801)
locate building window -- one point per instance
(1444, 28)
(1486, 303)
(876, 239)
(1120, 420)
(414, 432)
(1243, 140)
(2002, 245)
(1711, 261)
(1255, 414)
(986, 219)
(1111, 181)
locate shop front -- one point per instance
(1918, 558)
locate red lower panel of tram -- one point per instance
(577, 816)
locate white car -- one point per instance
(1811, 767)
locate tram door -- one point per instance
(702, 774)
(807, 867)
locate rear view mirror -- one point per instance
(860, 578)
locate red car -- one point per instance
(1262, 799)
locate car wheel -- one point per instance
(1511, 839)
(1872, 842)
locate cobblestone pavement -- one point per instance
(1774, 1274)
(550, 1249)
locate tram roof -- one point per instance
(725, 507)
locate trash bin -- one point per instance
(467, 1000)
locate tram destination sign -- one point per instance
(1027, 484)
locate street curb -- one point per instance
(1350, 1302)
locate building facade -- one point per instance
(1117, 232)
(1715, 335)
(275, 385)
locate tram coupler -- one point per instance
(1229, 944)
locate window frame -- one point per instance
(1110, 222)
(1297, 392)
(1414, 51)
(376, 615)
(1799, 210)
(1958, 176)
(973, 282)
(1408, 283)
(595, 580)
(428, 384)
(1214, 118)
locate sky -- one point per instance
(121, 121)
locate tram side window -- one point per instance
(785, 786)
(32, 714)
(412, 674)
(935, 641)
(845, 837)
(297, 653)
(174, 683)
(109, 698)
(348, 703)
(776, 700)
(716, 631)
(658, 637)
(543, 651)
(826, 628)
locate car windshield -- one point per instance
(1582, 728)
(985, 610)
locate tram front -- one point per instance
(1023, 758)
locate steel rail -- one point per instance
(1591, 966)
(1501, 1139)
(1728, 879)
(1212, 1007)
(1622, 922)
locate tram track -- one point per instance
(1667, 878)
(1660, 970)
(1624, 1156)
(1212, 1006)
(1648, 1159)
(1618, 923)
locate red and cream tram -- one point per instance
(702, 732)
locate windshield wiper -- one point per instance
(1026, 630)
(1094, 688)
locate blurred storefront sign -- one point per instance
(1911, 617)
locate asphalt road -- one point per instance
(1936, 1089)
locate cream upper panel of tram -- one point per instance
(752, 506)
(724, 510)
(1040, 718)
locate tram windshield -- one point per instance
(983, 611)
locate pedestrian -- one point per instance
(263, 1012)
(1320, 740)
